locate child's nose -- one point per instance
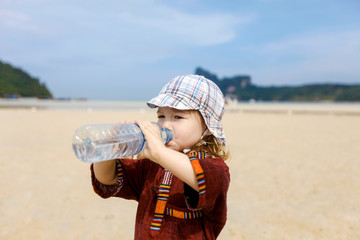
(167, 124)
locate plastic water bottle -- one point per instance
(101, 142)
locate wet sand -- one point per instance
(294, 175)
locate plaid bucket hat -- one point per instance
(194, 92)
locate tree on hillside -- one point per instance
(15, 81)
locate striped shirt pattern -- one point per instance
(194, 157)
(120, 179)
(119, 173)
(163, 195)
(184, 215)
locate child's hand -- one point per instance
(153, 141)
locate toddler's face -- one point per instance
(187, 126)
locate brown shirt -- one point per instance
(184, 213)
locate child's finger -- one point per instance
(147, 127)
(125, 121)
(144, 128)
(150, 131)
(142, 124)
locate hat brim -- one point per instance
(168, 100)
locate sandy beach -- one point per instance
(294, 175)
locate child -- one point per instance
(181, 187)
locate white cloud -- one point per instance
(318, 44)
(14, 21)
(326, 57)
(182, 27)
(129, 32)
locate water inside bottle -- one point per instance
(94, 143)
(111, 142)
(100, 151)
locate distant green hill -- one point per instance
(241, 88)
(16, 82)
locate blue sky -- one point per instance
(128, 49)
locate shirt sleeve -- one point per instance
(106, 191)
(131, 174)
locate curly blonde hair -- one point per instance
(213, 146)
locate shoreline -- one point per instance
(297, 109)
(287, 108)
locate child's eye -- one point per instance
(178, 117)
(161, 116)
